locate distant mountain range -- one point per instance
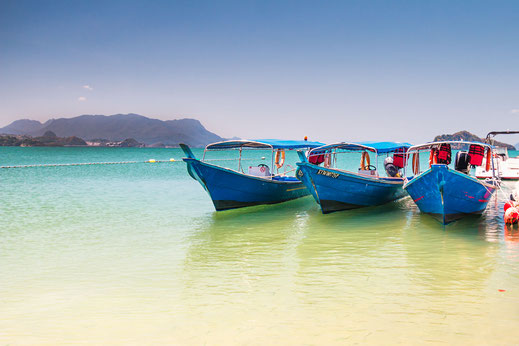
(119, 127)
(469, 137)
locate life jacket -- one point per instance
(476, 153)
(399, 157)
(444, 154)
(316, 158)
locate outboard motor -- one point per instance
(391, 169)
(461, 162)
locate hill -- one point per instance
(119, 127)
(22, 127)
(469, 137)
(49, 139)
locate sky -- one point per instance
(329, 70)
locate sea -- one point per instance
(135, 254)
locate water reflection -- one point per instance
(233, 252)
(448, 257)
(511, 233)
(293, 268)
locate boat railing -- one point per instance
(276, 172)
(423, 166)
(335, 152)
(334, 162)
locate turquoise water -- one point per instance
(135, 254)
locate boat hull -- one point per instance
(229, 189)
(337, 190)
(448, 195)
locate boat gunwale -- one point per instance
(473, 178)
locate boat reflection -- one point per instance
(511, 233)
(453, 259)
(293, 268)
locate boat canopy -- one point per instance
(263, 144)
(430, 145)
(495, 133)
(376, 147)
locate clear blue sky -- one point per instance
(331, 70)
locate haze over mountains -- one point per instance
(119, 127)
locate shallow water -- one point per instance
(136, 254)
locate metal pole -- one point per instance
(239, 162)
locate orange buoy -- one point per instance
(489, 159)
(508, 204)
(365, 161)
(432, 157)
(511, 216)
(416, 163)
(280, 158)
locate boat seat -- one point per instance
(368, 172)
(259, 171)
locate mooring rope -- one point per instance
(89, 163)
(506, 195)
(109, 163)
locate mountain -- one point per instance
(469, 137)
(119, 127)
(22, 127)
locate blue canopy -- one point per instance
(264, 144)
(430, 145)
(378, 147)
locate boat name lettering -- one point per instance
(328, 174)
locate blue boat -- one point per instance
(448, 193)
(335, 188)
(230, 188)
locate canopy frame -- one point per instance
(434, 145)
(266, 144)
(350, 147)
